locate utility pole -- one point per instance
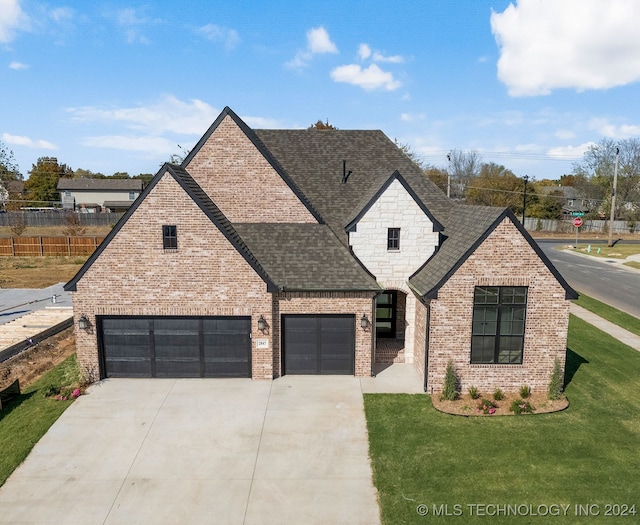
(613, 199)
(524, 198)
(449, 176)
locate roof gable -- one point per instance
(261, 148)
(371, 200)
(192, 189)
(469, 228)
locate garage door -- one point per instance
(175, 346)
(319, 344)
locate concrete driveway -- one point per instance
(173, 451)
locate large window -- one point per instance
(498, 324)
(169, 237)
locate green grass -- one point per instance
(618, 251)
(633, 264)
(587, 454)
(623, 319)
(26, 419)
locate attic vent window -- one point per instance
(169, 237)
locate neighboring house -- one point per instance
(92, 195)
(272, 252)
(12, 190)
(572, 200)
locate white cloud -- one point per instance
(133, 22)
(19, 140)
(569, 152)
(169, 114)
(579, 44)
(61, 14)
(18, 66)
(412, 117)
(318, 43)
(394, 59)
(364, 51)
(12, 19)
(565, 134)
(607, 129)
(224, 35)
(369, 78)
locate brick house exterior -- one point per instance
(271, 252)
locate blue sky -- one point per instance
(116, 86)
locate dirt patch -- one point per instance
(33, 363)
(465, 406)
(37, 272)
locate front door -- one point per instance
(386, 306)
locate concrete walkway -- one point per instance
(626, 337)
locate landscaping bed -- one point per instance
(466, 406)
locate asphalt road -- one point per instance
(610, 283)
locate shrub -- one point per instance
(486, 406)
(519, 406)
(473, 392)
(556, 383)
(450, 391)
(525, 391)
(498, 394)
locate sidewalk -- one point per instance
(622, 335)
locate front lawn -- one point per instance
(27, 418)
(623, 319)
(518, 467)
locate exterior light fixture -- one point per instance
(364, 322)
(83, 323)
(262, 324)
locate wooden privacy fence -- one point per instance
(43, 246)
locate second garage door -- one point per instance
(319, 344)
(175, 346)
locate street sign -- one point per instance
(577, 222)
(577, 214)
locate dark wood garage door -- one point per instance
(319, 344)
(175, 346)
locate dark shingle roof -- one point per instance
(467, 227)
(100, 184)
(313, 160)
(305, 257)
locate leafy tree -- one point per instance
(406, 149)
(547, 207)
(597, 167)
(464, 166)
(322, 125)
(42, 184)
(120, 175)
(8, 168)
(498, 186)
(438, 176)
(87, 174)
(146, 177)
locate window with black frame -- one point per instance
(393, 239)
(169, 237)
(499, 314)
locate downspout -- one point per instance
(426, 346)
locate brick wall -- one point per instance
(134, 275)
(237, 177)
(329, 303)
(504, 259)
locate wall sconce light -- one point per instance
(262, 324)
(364, 322)
(83, 323)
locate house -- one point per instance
(91, 195)
(272, 252)
(571, 199)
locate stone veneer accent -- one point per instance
(505, 258)
(237, 177)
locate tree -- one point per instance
(42, 184)
(464, 166)
(120, 175)
(548, 206)
(597, 167)
(438, 176)
(408, 151)
(145, 177)
(498, 186)
(8, 168)
(87, 174)
(322, 125)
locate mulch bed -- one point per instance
(465, 406)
